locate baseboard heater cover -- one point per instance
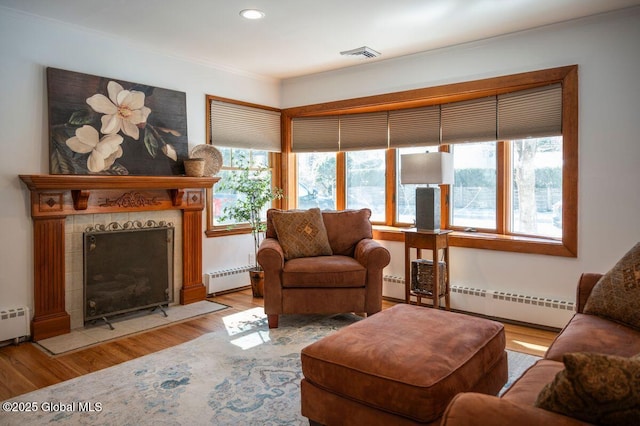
(227, 279)
(14, 323)
(500, 295)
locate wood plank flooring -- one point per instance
(25, 368)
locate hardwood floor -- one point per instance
(25, 368)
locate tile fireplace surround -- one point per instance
(55, 197)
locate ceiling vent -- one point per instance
(365, 51)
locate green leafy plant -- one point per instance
(253, 185)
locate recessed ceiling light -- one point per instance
(252, 14)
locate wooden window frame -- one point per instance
(567, 246)
(275, 165)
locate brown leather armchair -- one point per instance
(349, 280)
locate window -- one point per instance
(514, 141)
(531, 194)
(316, 180)
(535, 203)
(473, 194)
(365, 186)
(222, 197)
(240, 131)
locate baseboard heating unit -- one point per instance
(509, 305)
(14, 323)
(227, 279)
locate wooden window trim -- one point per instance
(568, 76)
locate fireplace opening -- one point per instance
(127, 267)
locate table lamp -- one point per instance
(427, 168)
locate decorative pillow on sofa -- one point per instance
(595, 388)
(301, 233)
(616, 294)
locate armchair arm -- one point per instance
(470, 409)
(371, 254)
(270, 255)
(585, 285)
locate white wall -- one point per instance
(27, 46)
(606, 51)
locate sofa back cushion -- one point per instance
(616, 295)
(301, 233)
(595, 388)
(345, 228)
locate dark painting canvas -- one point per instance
(100, 125)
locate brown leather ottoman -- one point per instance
(401, 366)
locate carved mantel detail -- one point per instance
(131, 199)
(54, 197)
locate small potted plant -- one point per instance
(254, 186)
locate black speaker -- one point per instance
(428, 208)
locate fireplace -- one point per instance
(56, 198)
(127, 267)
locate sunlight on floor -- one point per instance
(245, 325)
(251, 340)
(531, 346)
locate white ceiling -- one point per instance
(299, 37)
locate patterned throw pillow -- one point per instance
(301, 233)
(595, 388)
(616, 294)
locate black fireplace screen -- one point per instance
(127, 270)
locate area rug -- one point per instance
(245, 375)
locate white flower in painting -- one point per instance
(170, 152)
(123, 110)
(104, 152)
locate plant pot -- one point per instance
(257, 283)
(194, 167)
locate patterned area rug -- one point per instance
(247, 375)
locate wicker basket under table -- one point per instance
(422, 277)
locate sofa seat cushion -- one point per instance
(590, 333)
(324, 271)
(407, 360)
(526, 389)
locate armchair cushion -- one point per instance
(301, 233)
(324, 271)
(616, 294)
(597, 388)
(346, 228)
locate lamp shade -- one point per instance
(428, 167)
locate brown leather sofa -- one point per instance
(583, 333)
(349, 280)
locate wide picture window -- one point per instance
(514, 145)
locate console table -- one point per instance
(434, 241)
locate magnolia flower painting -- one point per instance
(99, 125)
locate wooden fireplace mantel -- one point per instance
(54, 197)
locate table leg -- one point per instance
(447, 294)
(407, 274)
(436, 279)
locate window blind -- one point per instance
(469, 121)
(530, 113)
(517, 115)
(364, 131)
(414, 127)
(241, 126)
(315, 134)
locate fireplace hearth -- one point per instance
(127, 267)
